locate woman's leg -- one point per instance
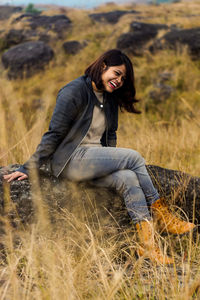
(94, 162)
(127, 184)
(123, 170)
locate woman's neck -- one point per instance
(95, 88)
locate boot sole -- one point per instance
(164, 232)
(148, 258)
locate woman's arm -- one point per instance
(65, 112)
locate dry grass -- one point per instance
(77, 258)
(76, 261)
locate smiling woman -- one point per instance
(80, 145)
(113, 72)
(113, 77)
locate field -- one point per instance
(73, 259)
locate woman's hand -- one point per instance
(15, 175)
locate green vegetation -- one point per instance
(31, 9)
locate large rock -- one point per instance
(31, 25)
(133, 42)
(177, 187)
(6, 11)
(147, 27)
(73, 47)
(189, 37)
(111, 16)
(15, 36)
(139, 35)
(12, 38)
(176, 38)
(57, 23)
(27, 58)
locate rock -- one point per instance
(58, 23)
(189, 37)
(72, 47)
(12, 38)
(179, 188)
(161, 92)
(112, 16)
(31, 25)
(15, 37)
(156, 46)
(133, 42)
(139, 35)
(6, 11)
(25, 59)
(165, 76)
(44, 38)
(147, 27)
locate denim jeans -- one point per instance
(118, 168)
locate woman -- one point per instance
(80, 145)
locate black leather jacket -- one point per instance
(70, 122)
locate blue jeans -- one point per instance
(118, 168)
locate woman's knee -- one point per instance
(137, 157)
(125, 178)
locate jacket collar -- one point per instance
(89, 84)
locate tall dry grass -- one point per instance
(76, 258)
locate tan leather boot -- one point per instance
(148, 247)
(166, 221)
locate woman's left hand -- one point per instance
(15, 175)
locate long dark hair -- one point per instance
(124, 95)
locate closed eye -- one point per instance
(118, 74)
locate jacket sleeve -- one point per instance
(112, 139)
(65, 112)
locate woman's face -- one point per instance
(113, 78)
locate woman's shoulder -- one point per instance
(75, 92)
(76, 86)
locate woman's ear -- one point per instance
(104, 66)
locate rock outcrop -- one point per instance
(179, 189)
(111, 16)
(34, 27)
(56, 23)
(15, 37)
(176, 38)
(12, 38)
(138, 36)
(73, 47)
(143, 35)
(6, 11)
(189, 37)
(27, 58)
